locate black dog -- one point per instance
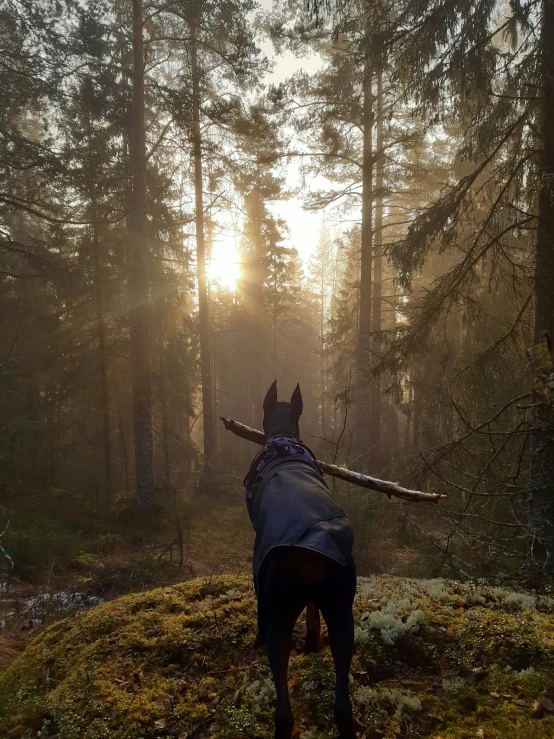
(302, 557)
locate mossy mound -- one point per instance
(178, 662)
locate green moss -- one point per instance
(179, 659)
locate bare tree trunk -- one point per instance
(275, 311)
(162, 384)
(123, 454)
(101, 331)
(211, 324)
(204, 328)
(417, 412)
(98, 297)
(322, 391)
(137, 226)
(394, 437)
(541, 473)
(98, 300)
(376, 313)
(408, 444)
(33, 400)
(258, 300)
(393, 430)
(362, 438)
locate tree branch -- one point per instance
(391, 489)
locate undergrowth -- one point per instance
(178, 662)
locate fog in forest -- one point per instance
(198, 198)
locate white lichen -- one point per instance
(365, 696)
(453, 684)
(402, 701)
(261, 693)
(389, 621)
(528, 672)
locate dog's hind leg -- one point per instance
(336, 608)
(313, 628)
(341, 640)
(277, 636)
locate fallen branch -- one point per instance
(391, 489)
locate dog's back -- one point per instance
(292, 507)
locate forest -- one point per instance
(199, 197)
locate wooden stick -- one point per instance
(391, 489)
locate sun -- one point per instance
(223, 266)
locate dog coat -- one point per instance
(289, 504)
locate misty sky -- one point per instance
(304, 226)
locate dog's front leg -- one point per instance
(313, 628)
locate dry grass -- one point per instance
(11, 645)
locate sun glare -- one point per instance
(223, 267)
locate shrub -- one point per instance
(43, 544)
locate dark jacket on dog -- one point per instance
(289, 504)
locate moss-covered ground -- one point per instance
(178, 661)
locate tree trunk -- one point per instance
(101, 331)
(203, 323)
(162, 378)
(123, 454)
(541, 473)
(258, 301)
(92, 177)
(211, 327)
(408, 443)
(417, 412)
(362, 438)
(137, 225)
(393, 431)
(322, 391)
(376, 313)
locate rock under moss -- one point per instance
(178, 662)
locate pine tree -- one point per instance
(541, 473)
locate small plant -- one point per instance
(388, 623)
(239, 724)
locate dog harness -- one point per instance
(289, 503)
(277, 447)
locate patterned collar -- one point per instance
(279, 445)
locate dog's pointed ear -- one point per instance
(296, 402)
(270, 397)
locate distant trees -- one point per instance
(484, 224)
(139, 287)
(151, 136)
(363, 394)
(221, 58)
(460, 233)
(541, 473)
(74, 397)
(203, 321)
(358, 134)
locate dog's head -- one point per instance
(282, 418)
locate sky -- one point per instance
(304, 226)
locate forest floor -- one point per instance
(433, 658)
(121, 640)
(85, 561)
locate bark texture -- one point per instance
(137, 225)
(362, 413)
(541, 477)
(203, 322)
(375, 456)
